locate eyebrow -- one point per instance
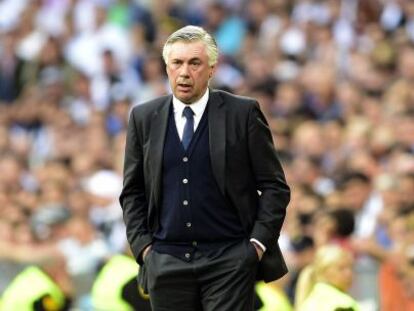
(190, 60)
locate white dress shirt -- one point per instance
(198, 108)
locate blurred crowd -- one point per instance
(334, 78)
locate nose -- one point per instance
(184, 71)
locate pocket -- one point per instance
(252, 250)
(146, 258)
(143, 280)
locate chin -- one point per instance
(185, 99)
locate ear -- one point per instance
(212, 71)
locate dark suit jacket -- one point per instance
(244, 164)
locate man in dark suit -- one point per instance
(204, 194)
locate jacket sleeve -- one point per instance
(274, 193)
(133, 199)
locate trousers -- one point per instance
(221, 283)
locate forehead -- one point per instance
(188, 50)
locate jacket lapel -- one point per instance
(217, 137)
(159, 124)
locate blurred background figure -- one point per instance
(39, 289)
(323, 284)
(271, 296)
(116, 287)
(303, 252)
(335, 79)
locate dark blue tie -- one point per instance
(188, 113)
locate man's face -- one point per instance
(188, 70)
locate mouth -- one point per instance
(184, 87)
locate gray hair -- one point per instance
(192, 34)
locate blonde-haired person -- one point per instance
(323, 284)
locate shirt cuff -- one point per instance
(258, 243)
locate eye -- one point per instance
(175, 63)
(195, 64)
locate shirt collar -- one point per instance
(198, 107)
